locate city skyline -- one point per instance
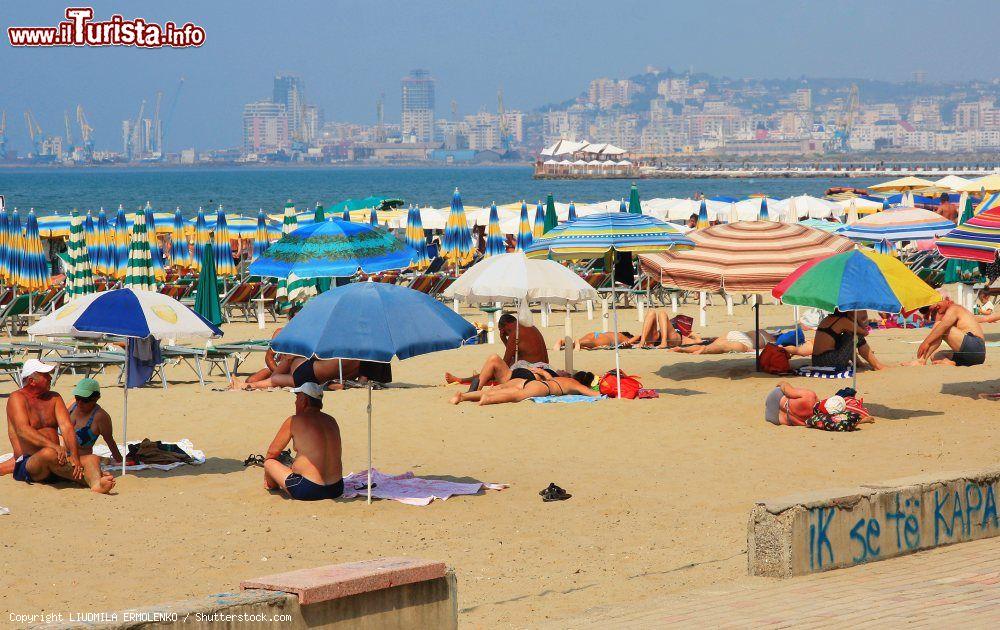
(540, 57)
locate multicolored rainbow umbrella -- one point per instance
(595, 235)
(416, 239)
(856, 280)
(15, 243)
(5, 248)
(538, 228)
(221, 247)
(703, 221)
(977, 239)
(495, 244)
(456, 245)
(524, 234)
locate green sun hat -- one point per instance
(86, 388)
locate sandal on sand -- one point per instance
(253, 460)
(554, 493)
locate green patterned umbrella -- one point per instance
(139, 272)
(206, 299)
(79, 272)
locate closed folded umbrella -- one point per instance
(571, 214)
(319, 215)
(155, 254)
(456, 245)
(224, 265)
(494, 237)
(201, 237)
(415, 238)
(524, 233)
(538, 228)
(122, 240)
(206, 299)
(139, 268)
(703, 221)
(180, 254)
(261, 240)
(79, 273)
(35, 274)
(551, 218)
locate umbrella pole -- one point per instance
(854, 383)
(614, 308)
(756, 330)
(369, 442)
(125, 427)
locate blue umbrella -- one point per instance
(524, 234)
(333, 249)
(538, 227)
(373, 217)
(572, 212)
(347, 215)
(622, 207)
(155, 255)
(703, 221)
(261, 241)
(5, 247)
(494, 238)
(763, 215)
(362, 321)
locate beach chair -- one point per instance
(443, 284)
(240, 300)
(13, 314)
(51, 300)
(12, 370)
(424, 283)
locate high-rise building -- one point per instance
(266, 127)
(418, 106)
(289, 91)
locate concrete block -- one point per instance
(841, 527)
(343, 580)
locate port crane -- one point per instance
(69, 131)
(3, 135)
(156, 142)
(133, 148)
(86, 133)
(502, 123)
(846, 123)
(34, 131)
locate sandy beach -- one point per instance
(661, 488)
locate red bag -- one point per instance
(774, 360)
(683, 324)
(609, 385)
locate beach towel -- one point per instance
(572, 398)
(823, 372)
(409, 489)
(197, 457)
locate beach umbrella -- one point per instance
(597, 235)
(989, 183)
(122, 240)
(976, 239)
(703, 222)
(373, 217)
(34, 275)
(415, 239)
(223, 250)
(852, 213)
(79, 273)
(200, 237)
(92, 238)
(633, 200)
(139, 274)
(742, 257)
(856, 280)
(956, 269)
(898, 224)
(319, 215)
(15, 243)
(551, 218)
(494, 238)
(346, 216)
(333, 249)
(360, 321)
(105, 263)
(206, 299)
(131, 313)
(54, 226)
(289, 220)
(261, 239)
(571, 213)
(5, 247)
(763, 214)
(456, 246)
(904, 183)
(155, 253)
(822, 224)
(524, 234)
(791, 213)
(180, 255)
(522, 279)
(538, 228)
(621, 205)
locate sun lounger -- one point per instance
(89, 364)
(12, 370)
(240, 299)
(12, 317)
(241, 350)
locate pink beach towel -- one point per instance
(407, 488)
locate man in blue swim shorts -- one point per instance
(317, 472)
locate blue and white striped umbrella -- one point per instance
(572, 212)
(538, 228)
(155, 253)
(261, 239)
(597, 234)
(524, 234)
(898, 224)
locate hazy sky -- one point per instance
(538, 51)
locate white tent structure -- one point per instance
(808, 207)
(749, 209)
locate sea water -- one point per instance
(247, 189)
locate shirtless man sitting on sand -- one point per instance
(317, 472)
(518, 389)
(523, 342)
(960, 329)
(34, 413)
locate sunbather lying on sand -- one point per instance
(597, 339)
(497, 372)
(306, 371)
(659, 332)
(786, 405)
(518, 389)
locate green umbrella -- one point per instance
(139, 270)
(633, 201)
(551, 220)
(79, 273)
(206, 299)
(318, 214)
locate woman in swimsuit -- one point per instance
(789, 406)
(658, 329)
(518, 389)
(90, 420)
(833, 345)
(595, 340)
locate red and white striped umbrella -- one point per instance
(743, 257)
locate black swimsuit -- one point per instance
(842, 354)
(304, 373)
